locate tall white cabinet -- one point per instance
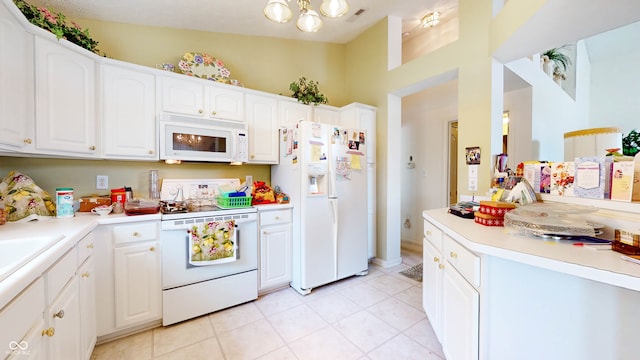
(17, 130)
(127, 108)
(65, 100)
(262, 120)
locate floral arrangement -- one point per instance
(212, 241)
(56, 24)
(204, 66)
(307, 92)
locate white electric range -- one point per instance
(209, 256)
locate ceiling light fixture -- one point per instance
(431, 19)
(309, 20)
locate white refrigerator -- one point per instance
(323, 169)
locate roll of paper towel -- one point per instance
(591, 142)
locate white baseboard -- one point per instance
(387, 263)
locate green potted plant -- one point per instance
(557, 58)
(56, 24)
(307, 92)
(631, 143)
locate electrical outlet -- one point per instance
(102, 182)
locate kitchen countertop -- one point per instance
(73, 229)
(604, 266)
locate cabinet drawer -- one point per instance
(21, 314)
(60, 273)
(85, 248)
(433, 235)
(463, 260)
(275, 217)
(123, 234)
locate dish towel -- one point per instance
(213, 243)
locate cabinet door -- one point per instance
(459, 317)
(326, 115)
(182, 96)
(360, 116)
(275, 256)
(64, 318)
(226, 103)
(262, 121)
(138, 291)
(16, 85)
(32, 347)
(65, 101)
(128, 114)
(432, 286)
(292, 112)
(87, 279)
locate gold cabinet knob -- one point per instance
(453, 255)
(441, 266)
(150, 152)
(253, 156)
(135, 233)
(200, 111)
(213, 113)
(27, 141)
(85, 274)
(428, 233)
(92, 147)
(153, 248)
(49, 332)
(436, 259)
(59, 314)
(90, 246)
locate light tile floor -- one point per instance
(377, 316)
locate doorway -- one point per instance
(453, 162)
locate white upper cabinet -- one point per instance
(127, 105)
(65, 101)
(196, 97)
(16, 85)
(182, 96)
(292, 112)
(225, 103)
(326, 115)
(360, 116)
(262, 121)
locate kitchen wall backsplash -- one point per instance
(81, 174)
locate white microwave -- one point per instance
(194, 139)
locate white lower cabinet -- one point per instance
(87, 284)
(137, 283)
(128, 271)
(275, 248)
(450, 293)
(63, 324)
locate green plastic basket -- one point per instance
(234, 202)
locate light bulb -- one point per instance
(334, 8)
(278, 11)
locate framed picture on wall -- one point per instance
(473, 155)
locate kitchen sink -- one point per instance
(15, 253)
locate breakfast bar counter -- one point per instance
(533, 298)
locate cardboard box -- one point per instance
(89, 202)
(593, 176)
(622, 178)
(562, 178)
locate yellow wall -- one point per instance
(81, 174)
(261, 63)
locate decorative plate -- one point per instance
(204, 66)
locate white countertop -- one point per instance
(602, 265)
(73, 229)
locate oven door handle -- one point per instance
(237, 242)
